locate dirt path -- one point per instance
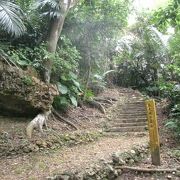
(79, 157)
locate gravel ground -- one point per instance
(79, 157)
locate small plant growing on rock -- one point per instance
(27, 80)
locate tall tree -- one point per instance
(142, 56)
(92, 27)
(57, 11)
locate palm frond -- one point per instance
(11, 18)
(51, 8)
(41, 3)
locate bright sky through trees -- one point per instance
(140, 5)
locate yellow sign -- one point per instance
(153, 132)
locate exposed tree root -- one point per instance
(53, 117)
(105, 105)
(63, 119)
(111, 99)
(93, 116)
(97, 105)
(146, 170)
(100, 103)
(84, 117)
(107, 101)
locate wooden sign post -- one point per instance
(153, 132)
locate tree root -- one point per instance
(93, 116)
(107, 101)
(63, 119)
(97, 105)
(53, 117)
(146, 170)
(84, 117)
(100, 103)
(111, 99)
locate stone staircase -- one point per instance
(131, 114)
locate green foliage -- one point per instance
(62, 89)
(165, 88)
(171, 90)
(11, 18)
(174, 125)
(66, 57)
(65, 69)
(20, 57)
(89, 94)
(174, 69)
(99, 80)
(92, 27)
(168, 16)
(148, 63)
(142, 56)
(175, 48)
(69, 89)
(25, 56)
(61, 103)
(24, 4)
(175, 153)
(51, 8)
(27, 80)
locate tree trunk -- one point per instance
(55, 28)
(88, 73)
(56, 25)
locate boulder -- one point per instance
(22, 94)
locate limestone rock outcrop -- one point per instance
(22, 94)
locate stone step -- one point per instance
(136, 106)
(128, 124)
(135, 102)
(129, 115)
(128, 129)
(131, 120)
(131, 112)
(137, 99)
(133, 134)
(133, 107)
(133, 115)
